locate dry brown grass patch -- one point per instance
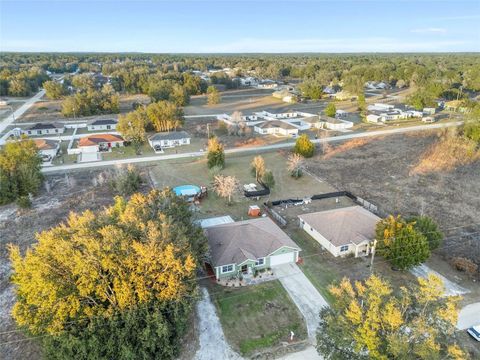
(349, 145)
(446, 154)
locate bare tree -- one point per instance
(258, 167)
(295, 164)
(225, 186)
(326, 147)
(237, 117)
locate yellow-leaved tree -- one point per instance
(371, 320)
(111, 283)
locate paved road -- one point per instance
(250, 149)
(304, 295)
(469, 316)
(21, 110)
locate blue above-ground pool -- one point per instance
(186, 190)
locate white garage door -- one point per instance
(282, 259)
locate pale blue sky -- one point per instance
(240, 26)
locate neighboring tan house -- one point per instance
(244, 246)
(45, 129)
(169, 140)
(335, 124)
(342, 231)
(276, 127)
(96, 143)
(108, 124)
(47, 149)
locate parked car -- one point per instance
(46, 158)
(474, 331)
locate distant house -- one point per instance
(107, 124)
(342, 231)
(429, 111)
(46, 129)
(169, 140)
(267, 84)
(276, 127)
(455, 105)
(245, 246)
(96, 143)
(374, 118)
(47, 149)
(335, 124)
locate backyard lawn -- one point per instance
(186, 171)
(257, 317)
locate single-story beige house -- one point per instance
(276, 127)
(47, 149)
(342, 231)
(96, 143)
(102, 124)
(245, 246)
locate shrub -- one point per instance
(268, 179)
(304, 146)
(24, 202)
(127, 181)
(465, 265)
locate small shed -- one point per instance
(254, 210)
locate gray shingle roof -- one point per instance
(250, 239)
(173, 135)
(45, 126)
(103, 122)
(276, 124)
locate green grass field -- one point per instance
(257, 317)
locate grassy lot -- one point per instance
(185, 171)
(257, 317)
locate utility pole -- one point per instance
(374, 246)
(208, 130)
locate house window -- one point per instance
(260, 262)
(108, 127)
(227, 268)
(343, 248)
(56, 130)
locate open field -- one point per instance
(257, 317)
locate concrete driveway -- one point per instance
(213, 345)
(469, 316)
(304, 295)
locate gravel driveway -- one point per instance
(451, 288)
(304, 295)
(213, 345)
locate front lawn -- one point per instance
(257, 317)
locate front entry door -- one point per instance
(244, 269)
